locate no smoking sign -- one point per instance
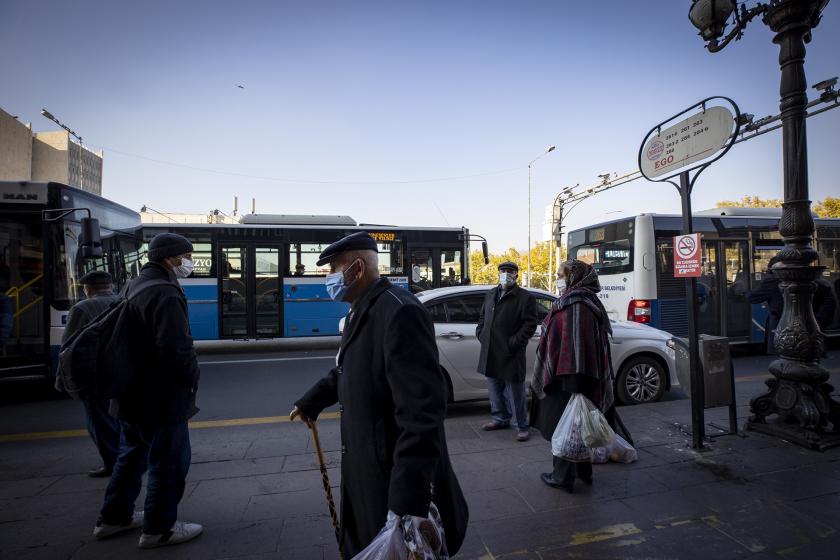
(687, 259)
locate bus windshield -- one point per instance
(608, 248)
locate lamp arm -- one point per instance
(741, 20)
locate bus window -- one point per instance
(609, 248)
(302, 259)
(450, 268)
(390, 258)
(68, 267)
(421, 270)
(761, 261)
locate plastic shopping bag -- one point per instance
(567, 441)
(408, 538)
(617, 450)
(594, 429)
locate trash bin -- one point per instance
(717, 368)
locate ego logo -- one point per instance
(655, 150)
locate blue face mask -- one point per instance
(336, 287)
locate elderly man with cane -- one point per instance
(392, 398)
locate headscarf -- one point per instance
(576, 343)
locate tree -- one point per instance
(751, 202)
(489, 274)
(828, 207)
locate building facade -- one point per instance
(46, 156)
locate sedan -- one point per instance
(643, 357)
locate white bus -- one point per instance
(635, 262)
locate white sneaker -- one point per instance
(179, 533)
(103, 530)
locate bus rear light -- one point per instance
(639, 311)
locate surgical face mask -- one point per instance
(184, 269)
(336, 286)
(561, 285)
(507, 279)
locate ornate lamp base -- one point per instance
(803, 408)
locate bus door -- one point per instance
(23, 319)
(250, 288)
(435, 267)
(722, 289)
(763, 251)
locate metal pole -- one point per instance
(698, 393)
(528, 280)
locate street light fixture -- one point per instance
(547, 151)
(52, 117)
(798, 392)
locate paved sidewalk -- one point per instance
(257, 490)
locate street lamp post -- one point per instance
(798, 392)
(51, 117)
(530, 163)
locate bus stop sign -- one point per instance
(687, 256)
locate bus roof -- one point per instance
(297, 220)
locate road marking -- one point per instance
(196, 425)
(257, 360)
(605, 533)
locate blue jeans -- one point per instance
(165, 451)
(104, 430)
(503, 394)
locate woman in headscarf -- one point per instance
(573, 356)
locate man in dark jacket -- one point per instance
(507, 322)
(392, 397)
(155, 410)
(104, 430)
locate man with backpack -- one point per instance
(104, 430)
(159, 400)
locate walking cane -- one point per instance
(326, 480)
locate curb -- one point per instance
(267, 345)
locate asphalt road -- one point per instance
(261, 385)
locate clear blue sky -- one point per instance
(383, 93)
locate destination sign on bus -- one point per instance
(693, 139)
(383, 236)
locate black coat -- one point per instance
(393, 404)
(504, 329)
(164, 392)
(824, 304)
(85, 311)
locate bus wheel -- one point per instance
(641, 380)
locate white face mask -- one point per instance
(184, 269)
(507, 279)
(561, 285)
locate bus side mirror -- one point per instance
(91, 246)
(485, 252)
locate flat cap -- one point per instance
(359, 241)
(510, 265)
(96, 278)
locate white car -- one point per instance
(643, 357)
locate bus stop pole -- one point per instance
(698, 397)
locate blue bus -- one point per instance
(635, 262)
(259, 278)
(43, 253)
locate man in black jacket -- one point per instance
(393, 403)
(104, 430)
(768, 292)
(507, 322)
(155, 410)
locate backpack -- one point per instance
(96, 362)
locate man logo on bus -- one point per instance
(655, 150)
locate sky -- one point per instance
(413, 113)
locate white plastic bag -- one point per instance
(594, 429)
(567, 441)
(617, 450)
(408, 538)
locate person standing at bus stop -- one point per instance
(104, 430)
(506, 324)
(154, 413)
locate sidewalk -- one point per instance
(257, 490)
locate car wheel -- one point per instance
(641, 380)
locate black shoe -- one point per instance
(587, 480)
(548, 478)
(101, 472)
